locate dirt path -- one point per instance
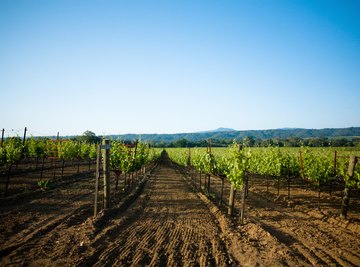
(168, 225)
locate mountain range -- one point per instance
(227, 133)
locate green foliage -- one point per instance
(290, 165)
(318, 167)
(69, 150)
(120, 157)
(233, 165)
(197, 161)
(275, 162)
(13, 149)
(154, 154)
(221, 163)
(209, 163)
(87, 151)
(142, 155)
(43, 184)
(89, 137)
(36, 148)
(271, 161)
(180, 155)
(51, 148)
(93, 151)
(356, 178)
(342, 172)
(125, 159)
(66, 149)
(238, 165)
(2, 156)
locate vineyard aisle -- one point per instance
(168, 224)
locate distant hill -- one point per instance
(221, 129)
(226, 133)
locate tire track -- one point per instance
(313, 241)
(25, 239)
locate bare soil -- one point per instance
(163, 220)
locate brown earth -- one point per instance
(164, 221)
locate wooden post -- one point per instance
(23, 148)
(42, 167)
(303, 169)
(62, 167)
(302, 165)
(246, 186)
(125, 182)
(97, 177)
(288, 182)
(24, 136)
(334, 174)
(222, 191)
(200, 180)
(345, 203)
(54, 166)
(117, 174)
(205, 180)
(134, 160)
(188, 160)
(208, 183)
(319, 194)
(352, 163)
(78, 164)
(209, 146)
(2, 136)
(346, 198)
(231, 200)
(106, 167)
(242, 213)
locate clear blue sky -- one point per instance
(178, 66)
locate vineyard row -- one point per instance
(236, 164)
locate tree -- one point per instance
(89, 137)
(249, 141)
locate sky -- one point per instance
(152, 66)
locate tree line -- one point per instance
(257, 142)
